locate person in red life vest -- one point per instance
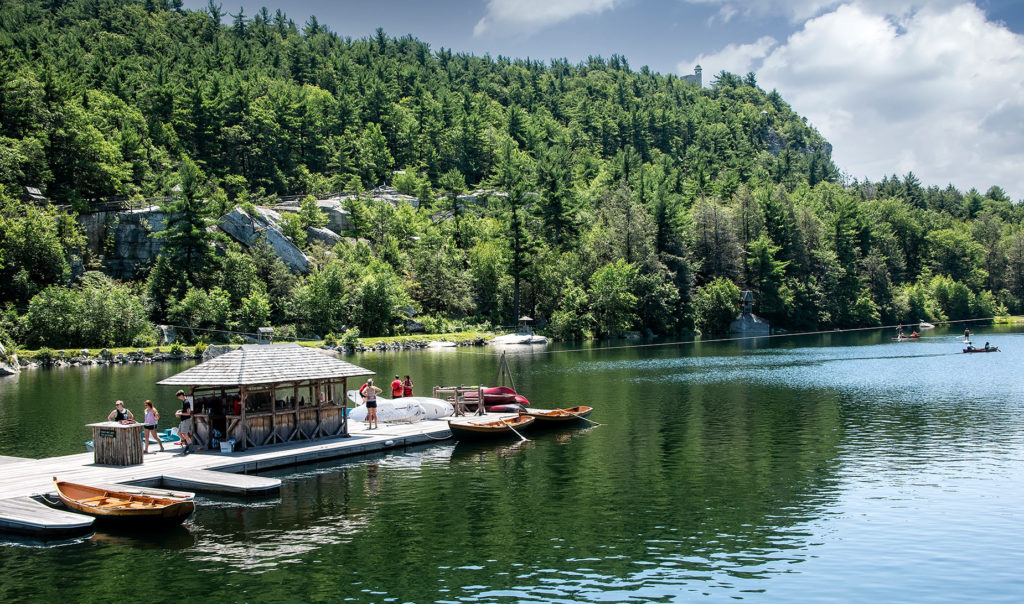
(396, 388)
(370, 392)
(407, 386)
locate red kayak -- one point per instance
(499, 395)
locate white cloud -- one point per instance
(735, 58)
(528, 16)
(799, 11)
(937, 91)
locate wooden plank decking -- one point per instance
(26, 516)
(23, 478)
(210, 481)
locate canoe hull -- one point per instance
(992, 349)
(121, 507)
(558, 417)
(483, 428)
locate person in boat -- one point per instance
(149, 426)
(407, 386)
(185, 427)
(396, 387)
(986, 346)
(914, 334)
(120, 414)
(370, 392)
(970, 346)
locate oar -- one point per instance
(513, 429)
(579, 416)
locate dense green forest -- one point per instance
(619, 200)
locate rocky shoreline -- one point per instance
(84, 358)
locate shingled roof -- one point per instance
(255, 364)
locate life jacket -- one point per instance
(407, 389)
(396, 388)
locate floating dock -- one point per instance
(23, 480)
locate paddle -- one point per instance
(513, 429)
(579, 416)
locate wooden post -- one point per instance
(244, 444)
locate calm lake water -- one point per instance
(828, 468)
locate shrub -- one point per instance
(330, 340)
(45, 355)
(176, 349)
(351, 337)
(200, 348)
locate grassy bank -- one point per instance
(44, 353)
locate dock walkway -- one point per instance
(204, 471)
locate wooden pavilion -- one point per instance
(259, 395)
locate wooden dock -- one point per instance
(210, 481)
(204, 471)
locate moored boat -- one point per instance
(123, 506)
(558, 417)
(483, 427)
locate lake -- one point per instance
(824, 468)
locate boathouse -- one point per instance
(259, 395)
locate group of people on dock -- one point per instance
(399, 388)
(185, 430)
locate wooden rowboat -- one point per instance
(470, 428)
(123, 506)
(558, 417)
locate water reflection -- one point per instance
(801, 472)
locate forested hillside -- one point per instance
(622, 200)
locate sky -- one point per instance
(933, 87)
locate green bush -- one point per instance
(351, 337)
(330, 340)
(200, 348)
(45, 355)
(176, 349)
(146, 339)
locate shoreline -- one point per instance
(55, 359)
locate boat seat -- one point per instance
(97, 498)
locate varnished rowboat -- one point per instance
(558, 417)
(477, 428)
(123, 506)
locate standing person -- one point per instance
(185, 415)
(396, 388)
(407, 386)
(967, 333)
(899, 330)
(120, 414)
(149, 425)
(370, 392)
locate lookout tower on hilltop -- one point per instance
(695, 78)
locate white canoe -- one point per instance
(436, 408)
(388, 411)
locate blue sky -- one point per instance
(930, 86)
